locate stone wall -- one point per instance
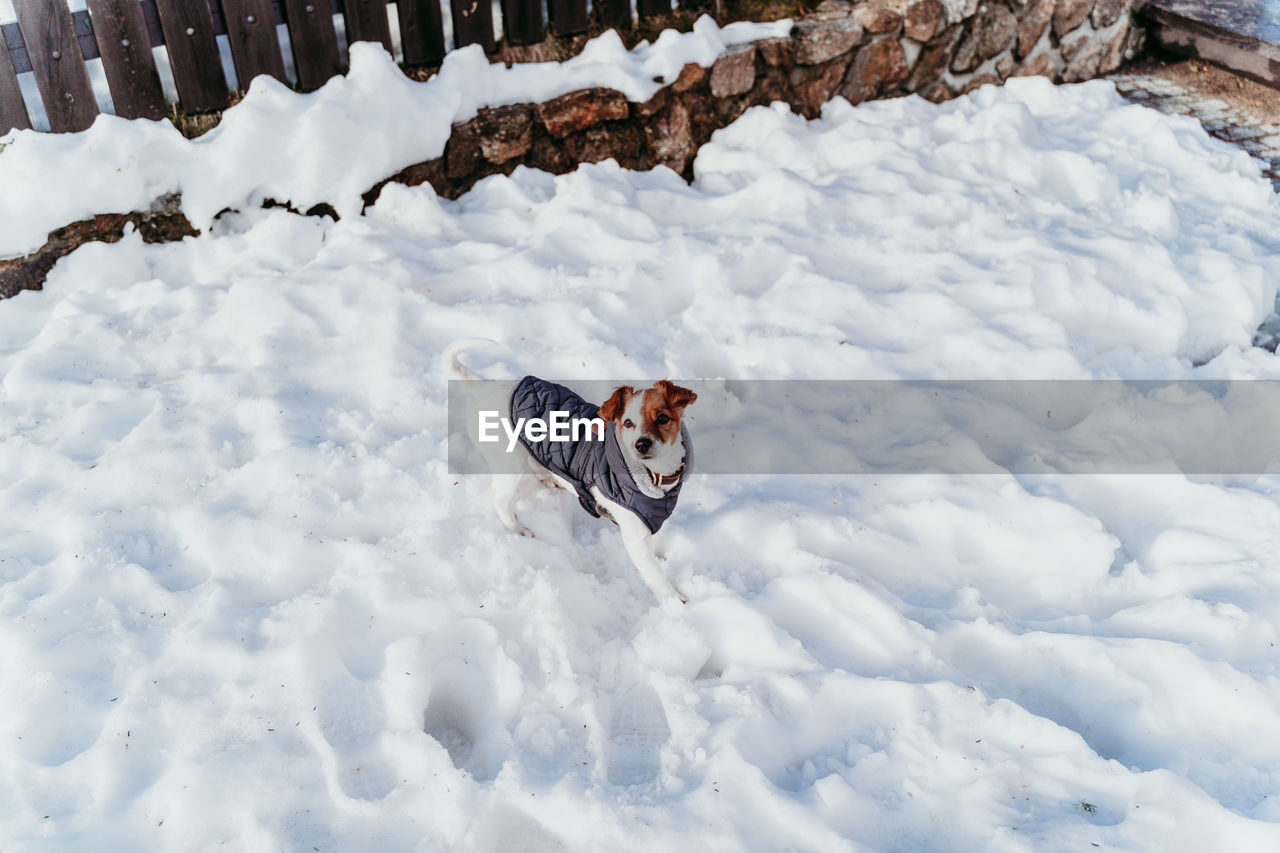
(861, 51)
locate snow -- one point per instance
(342, 139)
(243, 602)
(956, 10)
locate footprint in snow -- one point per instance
(468, 692)
(351, 716)
(637, 733)
(449, 719)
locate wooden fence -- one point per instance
(53, 43)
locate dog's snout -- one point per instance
(643, 443)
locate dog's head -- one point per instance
(648, 423)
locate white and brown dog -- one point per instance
(630, 469)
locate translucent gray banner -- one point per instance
(936, 427)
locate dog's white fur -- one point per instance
(666, 459)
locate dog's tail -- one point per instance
(457, 369)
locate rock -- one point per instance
(1034, 21)
(777, 51)
(669, 138)
(1069, 14)
(933, 60)
(830, 10)
(770, 86)
(1113, 51)
(547, 155)
(1084, 66)
(814, 86)
(819, 41)
(925, 19)
(1005, 66)
(728, 110)
(1107, 12)
(651, 106)
(427, 172)
(164, 222)
(702, 117)
(691, 75)
(582, 109)
(978, 81)
(621, 142)
(734, 73)
(877, 19)
(1041, 65)
(990, 31)
(1069, 49)
(939, 92)
(875, 68)
(462, 151)
(1135, 42)
(504, 133)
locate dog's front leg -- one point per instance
(639, 544)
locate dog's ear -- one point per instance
(611, 409)
(677, 397)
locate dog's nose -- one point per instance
(643, 443)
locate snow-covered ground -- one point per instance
(243, 602)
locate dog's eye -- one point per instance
(662, 418)
(628, 423)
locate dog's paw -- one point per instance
(513, 525)
(673, 597)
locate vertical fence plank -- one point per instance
(57, 63)
(522, 21)
(653, 8)
(421, 31)
(251, 30)
(151, 15)
(193, 54)
(472, 23)
(367, 21)
(122, 38)
(613, 13)
(314, 42)
(13, 112)
(568, 17)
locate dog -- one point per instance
(629, 469)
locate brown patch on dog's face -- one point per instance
(611, 409)
(663, 406)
